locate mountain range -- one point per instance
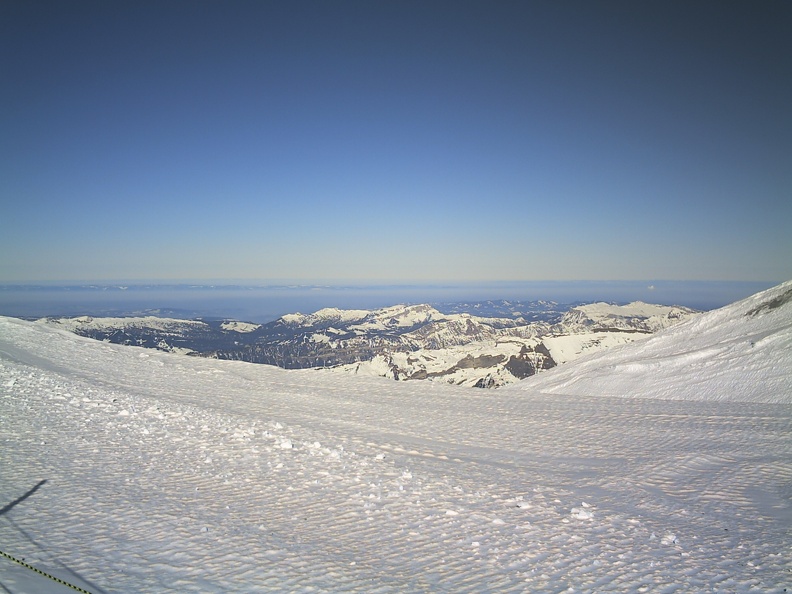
(403, 341)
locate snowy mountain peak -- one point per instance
(637, 315)
(324, 316)
(243, 327)
(396, 316)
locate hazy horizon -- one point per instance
(265, 302)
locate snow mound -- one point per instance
(741, 352)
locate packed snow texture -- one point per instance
(132, 470)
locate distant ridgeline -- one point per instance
(502, 343)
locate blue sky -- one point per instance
(389, 141)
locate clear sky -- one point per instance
(403, 140)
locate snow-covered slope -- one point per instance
(124, 469)
(480, 363)
(740, 352)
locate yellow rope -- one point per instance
(38, 571)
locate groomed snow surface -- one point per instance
(132, 470)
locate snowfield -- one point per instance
(660, 466)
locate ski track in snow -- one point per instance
(171, 473)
